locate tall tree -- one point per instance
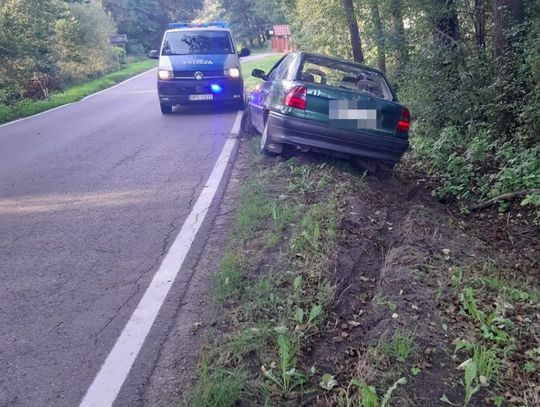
(446, 36)
(354, 31)
(507, 14)
(379, 35)
(479, 21)
(399, 40)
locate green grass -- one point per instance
(265, 64)
(28, 107)
(217, 388)
(230, 277)
(399, 348)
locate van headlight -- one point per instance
(163, 74)
(232, 72)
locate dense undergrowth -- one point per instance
(477, 124)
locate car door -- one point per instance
(260, 97)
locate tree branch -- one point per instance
(503, 197)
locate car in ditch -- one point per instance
(198, 63)
(321, 103)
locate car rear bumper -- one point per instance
(177, 92)
(302, 132)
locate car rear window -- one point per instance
(343, 75)
(197, 43)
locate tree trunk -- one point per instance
(379, 35)
(480, 25)
(446, 33)
(399, 40)
(356, 42)
(506, 15)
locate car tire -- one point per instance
(165, 109)
(267, 147)
(384, 172)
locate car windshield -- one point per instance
(341, 74)
(197, 42)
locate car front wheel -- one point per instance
(268, 147)
(165, 109)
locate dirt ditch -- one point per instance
(398, 275)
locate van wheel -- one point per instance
(267, 147)
(165, 109)
(246, 129)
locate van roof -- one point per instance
(198, 29)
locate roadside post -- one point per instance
(119, 40)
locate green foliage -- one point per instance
(82, 42)
(288, 377)
(250, 19)
(399, 348)
(217, 387)
(321, 27)
(230, 277)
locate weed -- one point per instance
(230, 277)
(249, 340)
(387, 303)
(457, 277)
(469, 304)
(367, 395)
(288, 377)
(487, 363)
(399, 348)
(217, 387)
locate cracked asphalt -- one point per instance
(91, 197)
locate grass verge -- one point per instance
(28, 107)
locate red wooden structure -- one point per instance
(281, 38)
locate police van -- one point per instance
(198, 63)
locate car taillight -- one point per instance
(404, 123)
(296, 97)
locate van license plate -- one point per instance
(201, 97)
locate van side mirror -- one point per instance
(259, 73)
(244, 52)
(154, 54)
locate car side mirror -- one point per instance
(244, 52)
(154, 54)
(259, 73)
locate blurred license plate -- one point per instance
(201, 97)
(348, 114)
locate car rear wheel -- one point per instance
(384, 171)
(165, 109)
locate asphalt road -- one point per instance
(91, 197)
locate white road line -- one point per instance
(68, 104)
(113, 373)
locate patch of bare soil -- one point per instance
(396, 275)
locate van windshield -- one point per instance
(197, 42)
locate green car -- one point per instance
(326, 104)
